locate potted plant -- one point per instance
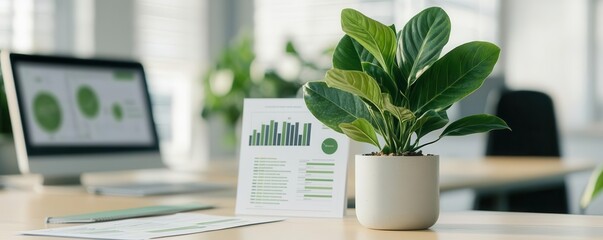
(398, 87)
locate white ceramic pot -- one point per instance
(397, 192)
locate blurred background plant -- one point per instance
(237, 75)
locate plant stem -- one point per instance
(402, 127)
(426, 144)
(408, 134)
(387, 134)
(378, 125)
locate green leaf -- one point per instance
(422, 41)
(356, 82)
(429, 122)
(345, 56)
(349, 55)
(332, 106)
(474, 124)
(401, 87)
(454, 76)
(361, 130)
(400, 56)
(377, 38)
(593, 188)
(401, 113)
(363, 54)
(386, 84)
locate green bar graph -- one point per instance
(283, 134)
(262, 134)
(253, 137)
(317, 196)
(271, 132)
(318, 188)
(305, 134)
(320, 164)
(316, 171)
(319, 180)
(287, 134)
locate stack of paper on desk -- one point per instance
(152, 227)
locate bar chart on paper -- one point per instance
(315, 179)
(291, 164)
(285, 134)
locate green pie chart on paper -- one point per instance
(47, 112)
(329, 146)
(87, 101)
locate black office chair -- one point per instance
(531, 116)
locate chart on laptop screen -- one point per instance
(67, 105)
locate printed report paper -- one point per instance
(290, 164)
(152, 227)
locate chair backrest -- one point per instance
(531, 116)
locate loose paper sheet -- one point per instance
(152, 227)
(290, 164)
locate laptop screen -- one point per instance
(81, 106)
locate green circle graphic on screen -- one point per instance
(329, 146)
(47, 112)
(87, 102)
(118, 113)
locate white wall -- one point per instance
(545, 48)
(114, 28)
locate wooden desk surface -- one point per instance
(26, 209)
(491, 172)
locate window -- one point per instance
(27, 25)
(169, 42)
(548, 51)
(313, 25)
(471, 20)
(598, 59)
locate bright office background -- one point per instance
(554, 46)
